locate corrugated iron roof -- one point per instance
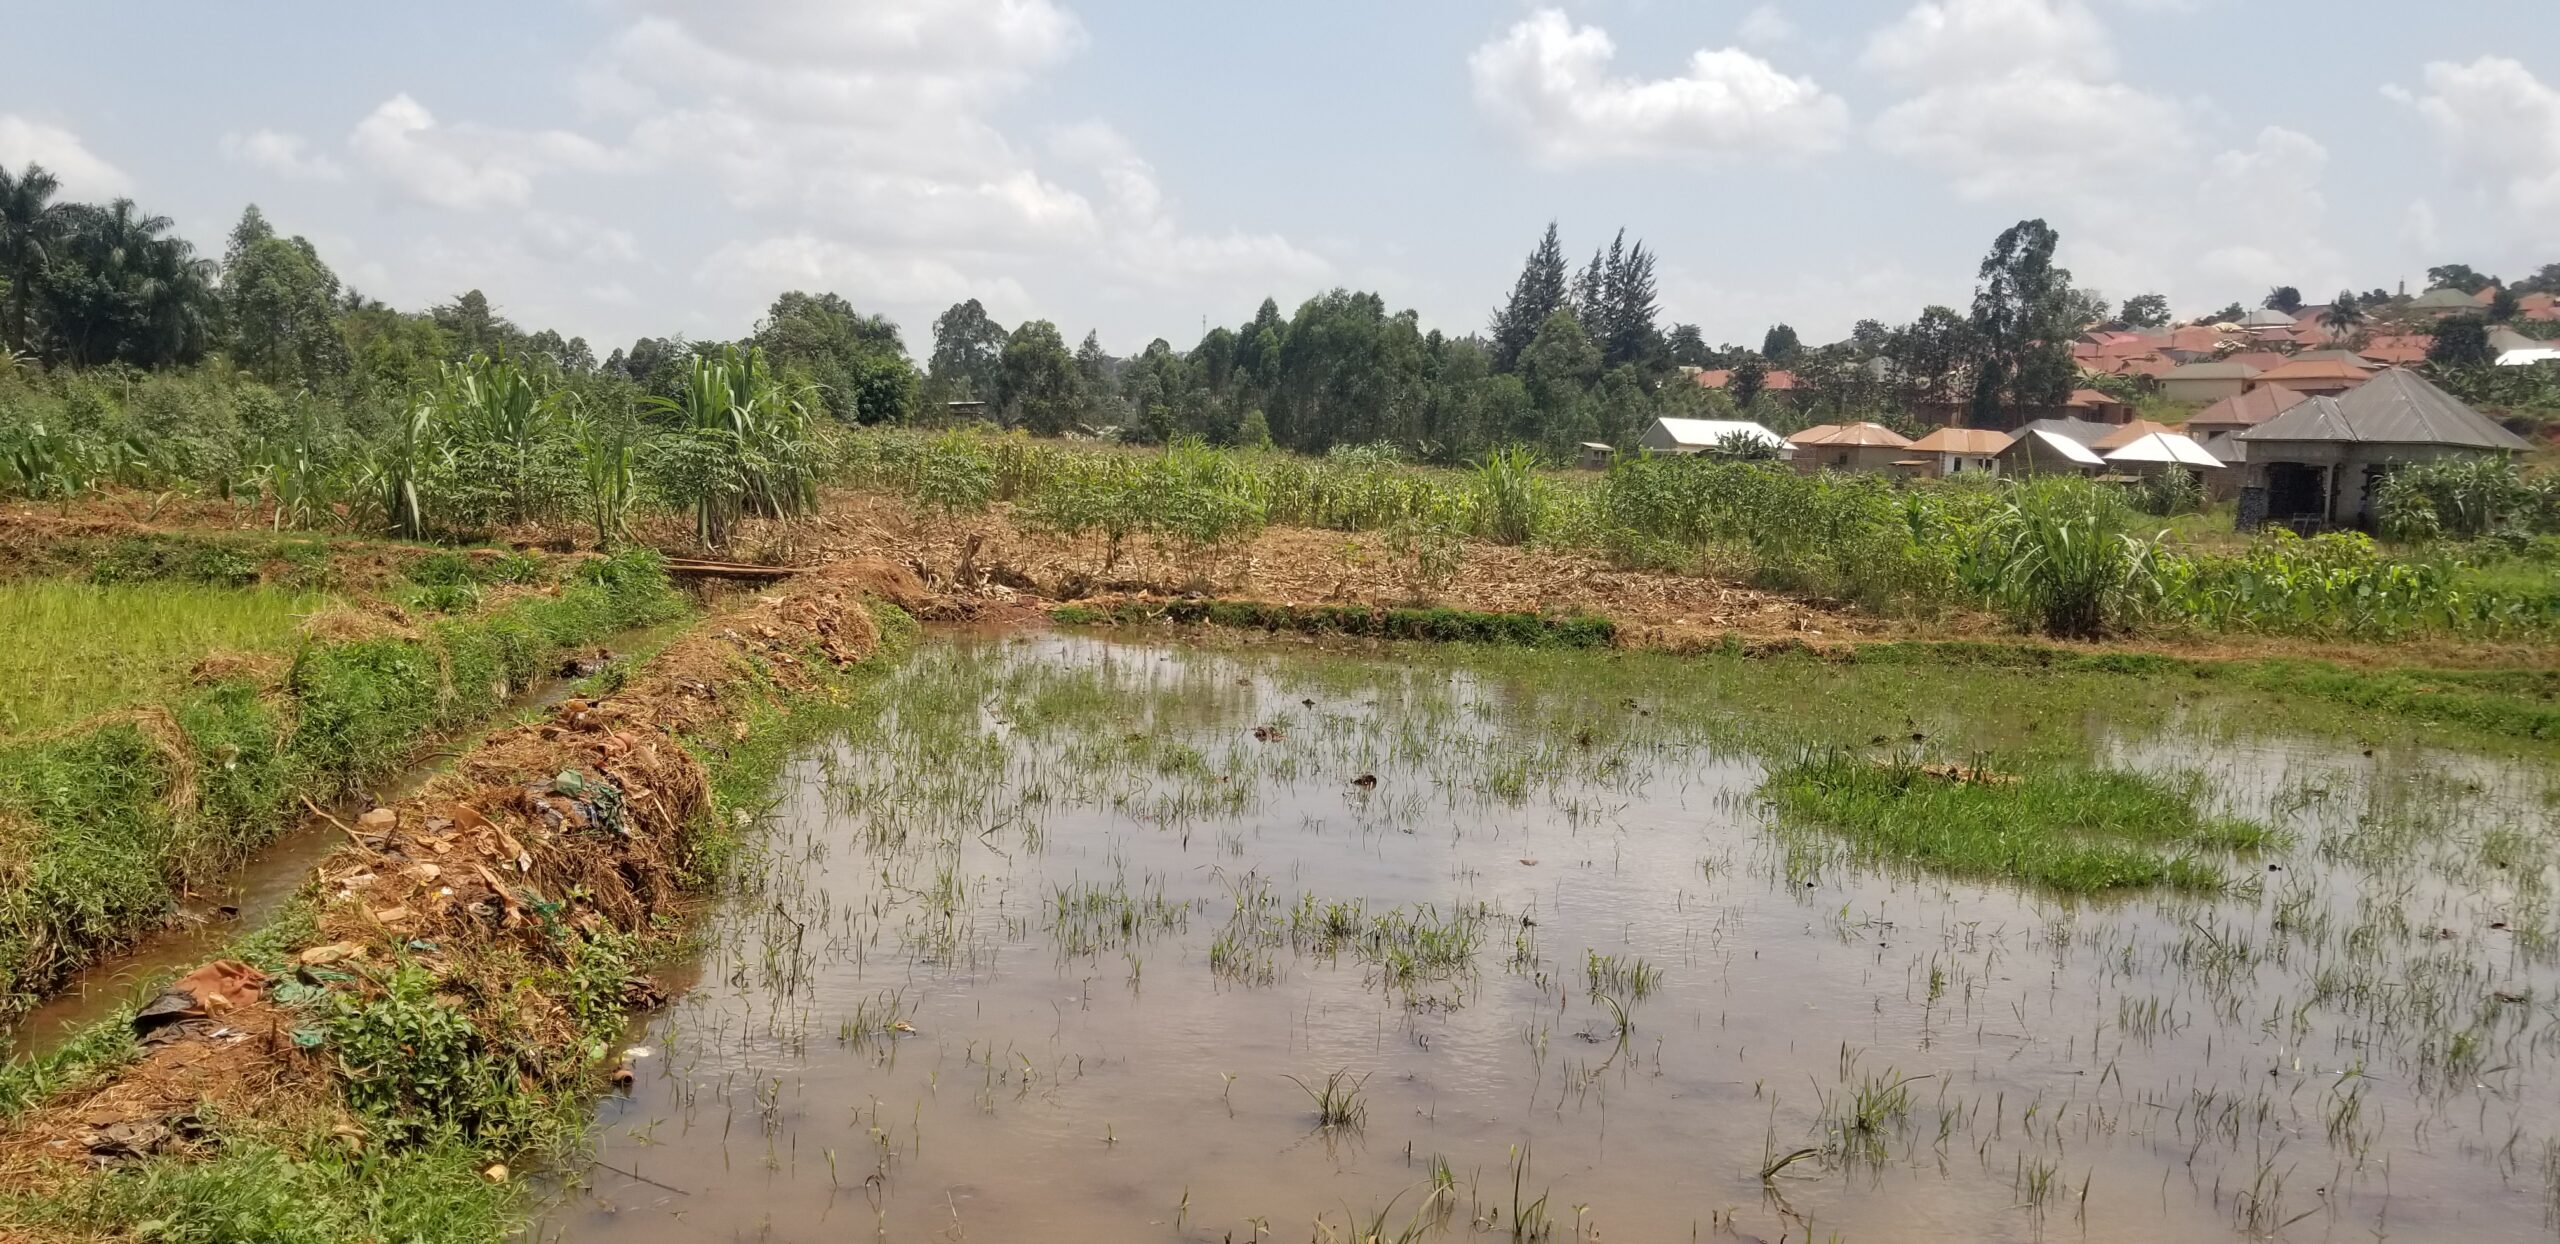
(1814, 435)
(2079, 431)
(1980, 441)
(2165, 446)
(1865, 435)
(2126, 434)
(2213, 371)
(2398, 407)
(1706, 433)
(2044, 440)
(2315, 369)
(2248, 409)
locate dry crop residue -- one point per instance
(583, 819)
(998, 558)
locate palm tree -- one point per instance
(2343, 316)
(29, 221)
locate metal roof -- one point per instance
(1859, 435)
(1978, 441)
(2253, 407)
(2077, 431)
(2127, 433)
(2445, 299)
(2213, 371)
(2396, 407)
(2267, 317)
(2040, 440)
(2165, 447)
(2316, 369)
(1706, 433)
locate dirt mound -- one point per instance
(573, 825)
(990, 558)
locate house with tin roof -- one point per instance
(2319, 463)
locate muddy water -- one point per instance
(246, 898)
(1044, 955)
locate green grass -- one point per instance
(75, 649)
(102, 829)
(1525, 630)
(2508, 704)
(2073, 829)
(482, 1098)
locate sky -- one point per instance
(620, 168)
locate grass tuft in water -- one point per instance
(2078, 830)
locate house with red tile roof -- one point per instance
(2248, 410)
(2312, 377)
(1774, 382)
(2398, 350)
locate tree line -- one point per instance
(1572, 354)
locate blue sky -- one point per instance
(619, 167)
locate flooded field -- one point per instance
(1083, 940)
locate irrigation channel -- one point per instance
(255, 892)
(1084, 939)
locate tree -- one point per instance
(2283, 298)
(1870, 338)
(2546, 280)
(1537, 294)
(2502, 306)
(1750, 376)
(475, 327)
(2021, 314)
(2461, 341)
(280, 306)
(857, 361)
(1350, 373)
(968, 350)
(120, 290)
(30, 223)
(2227, 315)
(1621, 319)
(1036, 380)
(2458, 276)
(2144, 311)
(2081, 309)
(2344, 316)
(1780, 345)
(1930, 357)
(1688, 348)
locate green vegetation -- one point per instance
(1528, 630)
(440, 1099)
(109, 824)
(2059, 555)
(81, 648)
(2080, 830)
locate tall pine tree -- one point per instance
(1535, 296)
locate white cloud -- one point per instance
(1766, 27)
(83, 174)
(1549, 83)
(1948, 41)
(2035, 134)
(2499, 126)
(467, 167)
(284, 155)
(760, 269)
(2017, 102)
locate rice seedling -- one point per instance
(79, 648)
(1337, 1100)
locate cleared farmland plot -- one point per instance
(1095, 940)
